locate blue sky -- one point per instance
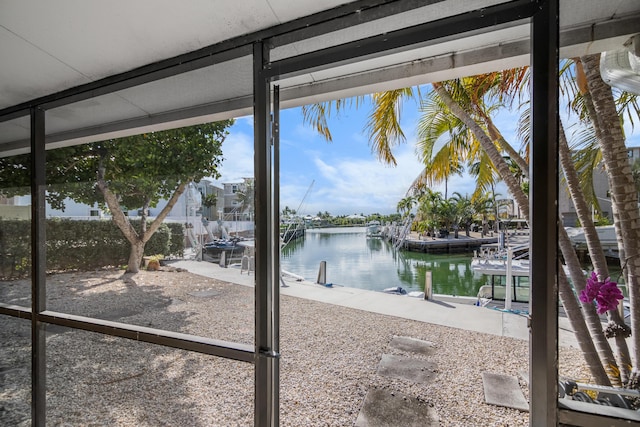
(347, 177)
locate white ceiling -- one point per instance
(51, 46)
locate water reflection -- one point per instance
(355, 261)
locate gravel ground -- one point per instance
(329, 358)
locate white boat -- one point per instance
(374, 229)
(498, 267)
(500, 271)
(495, 266)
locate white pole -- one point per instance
(428, 285)
(507, 290)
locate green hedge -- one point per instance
(176, 243)
(83, 245)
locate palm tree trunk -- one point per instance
(593, 357)
(623, 192)
(589, 314)
(597, 258)
(497, 136)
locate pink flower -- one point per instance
(605, 293)
(608, 296)
(590, 292)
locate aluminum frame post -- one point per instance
(266, 276)
(277, 270)
(38, 268)
(543, 343)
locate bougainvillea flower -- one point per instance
(590, 292)
(608, 296)
(606, 293)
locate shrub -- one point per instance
(78, 244)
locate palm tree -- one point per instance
(580, 187)
(566, 295)
(405, 205)
(599, 264)
(429, 205)
(464, 209)
(483, 206)
(521, 199)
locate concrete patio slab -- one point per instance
(503, 390)
(384, 408)
(407, 368)
(412, 345)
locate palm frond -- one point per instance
(383, 125)
(316, 115)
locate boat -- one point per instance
(374, 229)
(233, 248)
(396, 290)
(501, 268)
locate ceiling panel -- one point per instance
(28, 72)
(89, 40)
(222, 81)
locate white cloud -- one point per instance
(347, 185)
(237, 151)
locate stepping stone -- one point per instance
(384, 408)
(503, 390)
(413, 345)
(407, 368)
(205, 294)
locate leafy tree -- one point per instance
(131, 173)
(246, 196)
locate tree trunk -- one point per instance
(597, 258)
(137, 241)
(513, 154)
(592, 356)
(589, 314)
(623, 192)
(135, 257)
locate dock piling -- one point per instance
(322, 273)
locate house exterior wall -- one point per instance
(567, 210)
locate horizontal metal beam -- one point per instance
(15, 311)
(576, 413)
(403, 39)
(228, 350)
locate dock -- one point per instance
(450, 244)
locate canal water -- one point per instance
(355, 261)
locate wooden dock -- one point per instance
(446, 245)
